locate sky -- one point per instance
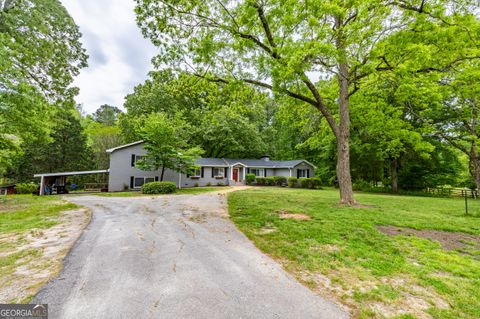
(119, 56)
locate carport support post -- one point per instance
(42, 186)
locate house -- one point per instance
(123, 175)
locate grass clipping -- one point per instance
(29, 259)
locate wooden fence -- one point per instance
(452, 192)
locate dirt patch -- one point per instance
(288, 215)
(449, 240)
(37, 255)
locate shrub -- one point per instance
(292, 181)
(250, 178)
(304, 182)
(159, 188)
(280, 180)
(196, 185)
(26, 188)
(220, 184)
(269, 181)
(260, 181)
(361, 185)
(315, 182)
(209, 184)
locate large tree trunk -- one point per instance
(394, 172)
(343, 140)
(475, 165)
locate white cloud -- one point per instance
(119, 55)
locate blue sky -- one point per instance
(119, 55)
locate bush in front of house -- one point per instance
(304, 182)
(270, 181)
(292, 182)
(250, 178)
(26, 188)
(313, 182)
(260, 181)
(159, 188)
(280, 180)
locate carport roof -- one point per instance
(100, 171)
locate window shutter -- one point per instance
(131, 181)
(298, 173)
(264, 172)
(188, 173)
(156, 178)
(213, 169)
(133, 160)
(308, 173)
(226, 172)
(202, 172)
(248, 170)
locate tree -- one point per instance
(101, 137)
(65, 150)
(107, 115)
(40, 53)
(166, 144)
(278, 45)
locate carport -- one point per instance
(60, 178)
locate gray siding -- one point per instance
(121, 169)
(304, 165)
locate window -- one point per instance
(136, 158)
(257, 171)
(302, 173)
(139, 181)
(195, 174)
(218, 171)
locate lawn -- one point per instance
(182, 191)
(340, 252)
(31, 227)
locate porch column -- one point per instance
(42, 186)
(231, 173)
(290, 172)
(244, 174)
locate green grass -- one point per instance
(24, 212)
(365, 268)
(182, 191)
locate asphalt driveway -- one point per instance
(175, 256)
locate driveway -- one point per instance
(176, 256)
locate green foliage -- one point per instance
(260, 181)
(166, 143)
(292, 182)
(220, 184)
(312, 182)
(107, 115)
(40, 53)
(159, 188)
(100, 138)
(269, 181)
(25, 188)
(66, 150)
(250, 178)
(279, 180)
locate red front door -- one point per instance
(235, 174)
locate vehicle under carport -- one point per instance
(59, 179)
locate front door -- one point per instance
(235, 174)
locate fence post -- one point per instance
(466, 201)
